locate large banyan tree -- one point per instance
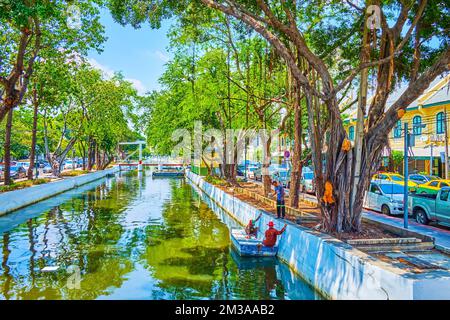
(330, 46)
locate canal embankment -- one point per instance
(335, 268)
(17, 199)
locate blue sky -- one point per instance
(140, 54)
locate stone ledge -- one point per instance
(17, 199)
(383, 241)
(334, 268)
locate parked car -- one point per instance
(431, 187)
(251, 171)
(431, 207)
(43, 164)
(69, 164)
(47, 168)
(393, 178)
(273, 168)
(18, 172)
(307, 184)
(283, 176)
(422, 178)
(23, 164)
(385, 197)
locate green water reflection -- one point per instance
(133, 237)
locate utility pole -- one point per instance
(446, 142)
(405, 173)
(431, 158)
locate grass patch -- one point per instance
(23, 184)
(73, 173)
(216, 181)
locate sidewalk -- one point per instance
(441, 236)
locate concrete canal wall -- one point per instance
(334, 268)
(13, 200)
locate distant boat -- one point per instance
(250, 246)
(166, 171)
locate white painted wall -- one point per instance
(13, 200)
(333, 267)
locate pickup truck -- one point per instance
(431, 207)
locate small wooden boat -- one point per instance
(250, 246)
(168, 174)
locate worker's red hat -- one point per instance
(271, 224)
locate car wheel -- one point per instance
(385, 210)
(421, 216)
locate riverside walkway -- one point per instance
(440, 234)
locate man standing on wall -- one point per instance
(279, 191)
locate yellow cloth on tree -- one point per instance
(328, 195)
(401, 113)
(346, 145)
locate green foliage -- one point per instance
(216, 180)
(74, 173)
(22, 185)
(397, 157)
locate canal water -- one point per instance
(133, 237)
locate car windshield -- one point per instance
(433, 178)
(397, 178)
(13, 168)
(392, 188)
(309, 176)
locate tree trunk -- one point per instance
(33, 139)
(91, 153)
(265, 168)
(97, 157)
(294, 187)
(7, 148)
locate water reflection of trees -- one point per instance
(189, 254)
(186, 251)
(84, 231)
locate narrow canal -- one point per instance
(133, 237)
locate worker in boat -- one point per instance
(279, 191)
(251, 229)
(271, 235)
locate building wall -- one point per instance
(427, 115)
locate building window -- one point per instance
(398, 129)
(440, 123)
(351, 133)
(417, 125)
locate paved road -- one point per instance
(440, 233)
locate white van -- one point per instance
(385, 197)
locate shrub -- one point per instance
(216, 180)
(73, 173)
(23, 184)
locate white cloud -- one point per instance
(138, 85)
(109, 73)
(161, 56)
